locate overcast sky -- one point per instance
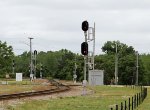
(56, 24)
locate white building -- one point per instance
(96, 77)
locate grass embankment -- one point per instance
(103, 98)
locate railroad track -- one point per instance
(59, 88)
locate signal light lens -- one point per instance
(85, 25)
(84, 48)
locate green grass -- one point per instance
(13, 81)
(102, 99)
(21, 86)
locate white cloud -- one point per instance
(56, 24)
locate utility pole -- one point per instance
(35, 54)
(116, 66)
(137, 66)
(31, 63)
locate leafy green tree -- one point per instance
(126, 63)
(66, 65)
(6, 56)
(146, 62)
(122, 49)
(60, 64)
(22, 63)
(106, 63)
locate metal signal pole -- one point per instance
(31, 63)
(41, 70)
(84, 51)
(116, 66)
(35, 54)
(91, 41)
(85, 57)
(94, 47)
(75, 72)
(137, 66)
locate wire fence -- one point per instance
(133, 102)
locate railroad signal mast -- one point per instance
(84, 46)
(89, 53)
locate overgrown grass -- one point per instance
(103, 98)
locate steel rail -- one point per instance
(60, 88)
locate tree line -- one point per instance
(61, 64)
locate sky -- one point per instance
(56, 24)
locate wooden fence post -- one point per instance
(132, 103)
(129, 104)
(125, 106)
(137, 100)
(121, 106)
(116, 107)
